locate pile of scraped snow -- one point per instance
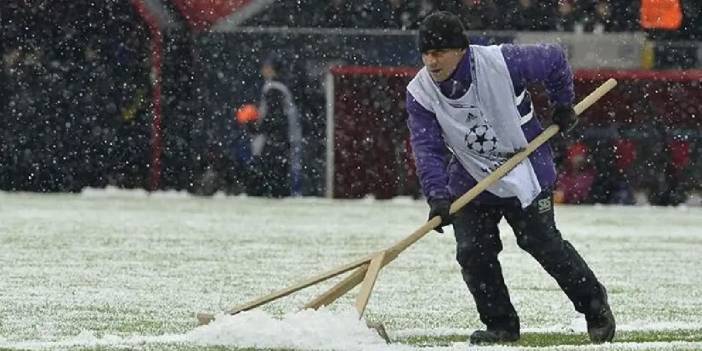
(307, 329)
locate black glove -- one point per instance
(565, 118)
(440, 207)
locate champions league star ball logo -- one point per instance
(481, 139)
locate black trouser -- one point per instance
(478, 243)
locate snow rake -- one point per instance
(366, 269)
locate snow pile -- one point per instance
(307, 329)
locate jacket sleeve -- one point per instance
(429, 150)
(541, 63)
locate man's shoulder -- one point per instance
(484, 48)
(479, 47)
(273, 85)
(417, 77)
(420, 82)
(418, 90)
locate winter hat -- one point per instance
(441, 30)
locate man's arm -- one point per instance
(545, 63)
(429, 150)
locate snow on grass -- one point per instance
(303, 330)
(110, 268)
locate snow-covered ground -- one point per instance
(119, 269)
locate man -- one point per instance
(277, 138)
(472, 101)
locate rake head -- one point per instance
(206, 318)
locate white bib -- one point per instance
(483, 127)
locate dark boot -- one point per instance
(600, 321)
(493, 336)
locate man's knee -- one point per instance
(465, 253)
(471, 254)
(542, 244)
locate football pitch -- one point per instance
(116, 270)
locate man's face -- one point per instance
(442, 62)
(268, 72)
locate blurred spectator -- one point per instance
(575, 181)
(276, 166)
(371, 14)
(336, 14)
(672, 186)
(602, 18)
(595, 16)
(479, 14)
(671, 19)
(567, 17)
(531, 15)
(624, 15)
(661, 14)
(400, 14)
(425, 7)
(613, 160)
(692, 21)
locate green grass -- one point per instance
(558, 339)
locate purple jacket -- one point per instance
(545, 63)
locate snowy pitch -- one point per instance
(111, 269)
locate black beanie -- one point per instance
(441, 30)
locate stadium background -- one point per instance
(141, 94)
